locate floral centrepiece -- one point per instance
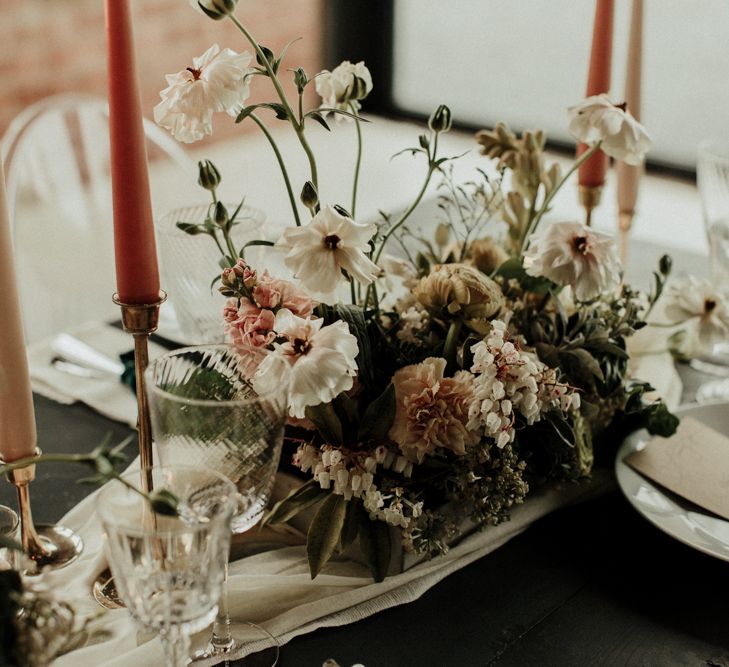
(433, 380)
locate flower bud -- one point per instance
(442, 235)
(208, 175)
(440, 120)
(309, 196)
(164, 502)
(228, 278)
(486, 255)
(665, 264)
(221, 214)
(268, 54)
(300, 79)
(358, 90)
(217, 9)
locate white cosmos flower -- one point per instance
(569, 253)
(339, 88)
(320, 361)
(217, 81)
(318, 251)
(691, 298)
(598, 119)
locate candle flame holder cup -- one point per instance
(589, 200)
(140, 320)
(46, 545)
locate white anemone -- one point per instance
(319, 251)
(320, 360)
(217, 81)
(569, 253)
(598, 119)
(695, 299)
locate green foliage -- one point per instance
(296, 501)
(324, 532)
(374, 540)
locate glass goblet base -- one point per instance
(267, 657)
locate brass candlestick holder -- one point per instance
(47, 545)
(140, 320)
(589, 200)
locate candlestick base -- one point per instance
(589, 200)
(45, 546)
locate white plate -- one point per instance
(671, 513)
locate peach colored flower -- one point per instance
(275, 293)
(432, 410)
(250, 330)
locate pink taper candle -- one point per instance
(592, 173)
(137, 275)
(629, 175)
(17, 417)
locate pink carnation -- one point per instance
(432, 410)
(275, 293)
(250, 331)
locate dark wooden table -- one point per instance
(589, 585)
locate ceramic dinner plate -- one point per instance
(672, 514)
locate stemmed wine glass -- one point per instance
(169, 570)
(204, 411)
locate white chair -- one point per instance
(56, 160)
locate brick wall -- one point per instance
(57, 46)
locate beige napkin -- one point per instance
(693, 463)
(107, 396)
(275, 590)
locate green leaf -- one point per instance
(548, 354)
(660, 421)
(346, 410)
(512, 268)
(579, 361)
(374, 540)
(190, 228)
(351, 524)
(315, 115)
(327, 422)
(324, 532)
(354, 317)
(277, 108)
(306, 495)
(341, 112)
(378, 417)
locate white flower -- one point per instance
(569, 253)
(217, 81)
(692, 298)
(345, 85)
(598, 119)
(320, 360)
(318, 251)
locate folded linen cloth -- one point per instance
(108, 396)
(274, 589)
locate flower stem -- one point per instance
(358, 164)
(532, 227)
(282, 165)
(451, 344)
(298, 126)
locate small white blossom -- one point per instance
(598, 119)
(345, 85)
(569, 253)
(217, 81)
(319, 251)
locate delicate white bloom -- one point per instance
(508, 381)
(695, 299)
(345, 85)
(319, 251)
(569, 253)
(320, 360)
(411, 322)
(217, 81)
(598, 119)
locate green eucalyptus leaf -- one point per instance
(351, 523)
(341, 112)
(579, 362)
(327, 422)
(306, 495)
(374, 540)
(378, 417)
(324, 532)
(354, 317)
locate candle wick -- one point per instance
(195, 73)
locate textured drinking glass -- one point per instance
(190, 263)
(169, 571)
(204, 411)
(712, 173)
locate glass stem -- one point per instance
(222, 640)
(176, 645)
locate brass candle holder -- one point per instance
(589, 200)
(47, 545)
(140, 320)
